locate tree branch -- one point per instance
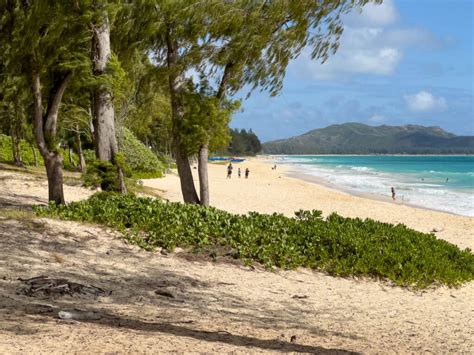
(223, 83)
(38, 113)
(51, 117)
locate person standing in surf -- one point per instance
(393, 194)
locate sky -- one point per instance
(402, 62)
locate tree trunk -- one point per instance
(45, 130)
(35, 156)
(186, 178)
(16, 150)
(71, 161)
(15, 134)
(203, 175)
(54, 171)
(175, 77)
(82, 161)
(106, 147)
(204, 149)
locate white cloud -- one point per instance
(362, 51)
(370, 44)
(424, 101)
(374, 15)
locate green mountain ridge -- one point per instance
(358, 138)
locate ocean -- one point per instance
(444, 183)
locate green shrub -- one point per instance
(27, 156)
(89, 155)
(66, 163)
(101, 174)
(338, 245)
(6, 153)
(139, 158)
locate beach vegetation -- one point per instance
(337, 245)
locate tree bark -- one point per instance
(175, 78)
(203, 175)
(82, 161)
(54, 171)
(45, 130)
(106, 147)
(16, 149)
(203, 154)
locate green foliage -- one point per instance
(101, 174)
(6, 154)
(67, 161)
(244, 143)
(206, 119)
(140, 159)
(340, 246)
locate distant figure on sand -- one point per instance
(247, 172)
(238, 173)
(274, 167)
(393, 194)
(229, 171)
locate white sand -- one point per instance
(217, 308)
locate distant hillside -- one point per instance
(358, 138)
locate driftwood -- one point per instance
(59, 287)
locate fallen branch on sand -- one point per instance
(59, 287)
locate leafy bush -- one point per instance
(101, 174)
(139, 158)
(6, 153)
(338, 245)
(27, 157)
(89, 155)
(66, 163)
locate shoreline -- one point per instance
(372, 196)
(300, 173)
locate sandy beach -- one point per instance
(157, 302)
(279, 191)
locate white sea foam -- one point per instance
(361, 168)
(409, 188)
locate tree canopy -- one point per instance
(167, 70)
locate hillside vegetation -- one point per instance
(358, 138)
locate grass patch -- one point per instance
(340, 246)
(16, 213)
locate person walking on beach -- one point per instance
(393, 194)
(247, 172)
(229, 171)
(238, 173)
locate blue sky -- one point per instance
(403, 62)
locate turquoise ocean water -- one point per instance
(443, 183)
